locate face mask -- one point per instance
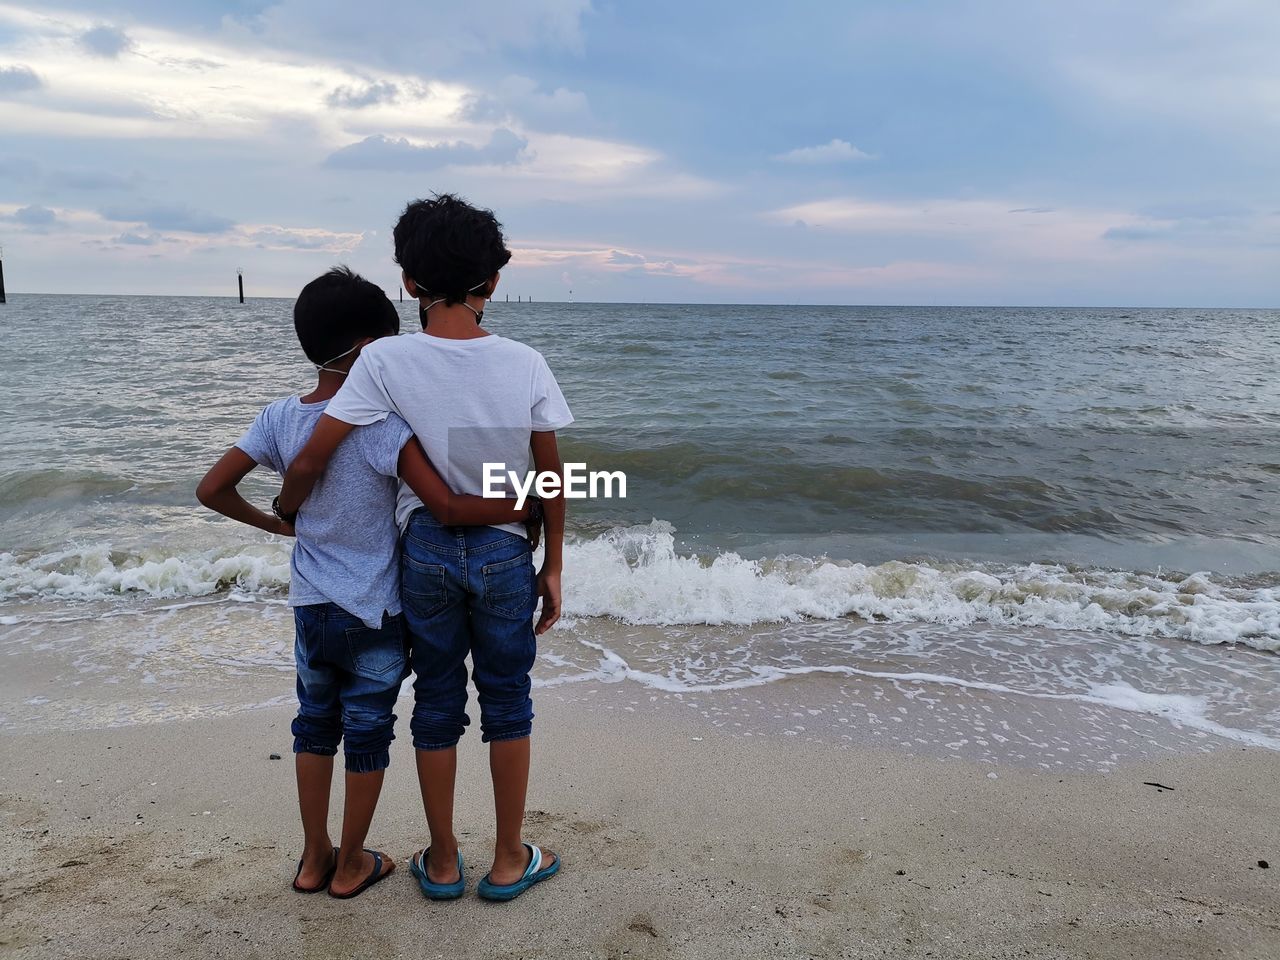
(479, 313)
(325, 365)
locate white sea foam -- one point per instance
(96, 572)
(637, 576)
(1179, 709)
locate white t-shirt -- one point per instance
(470, 402)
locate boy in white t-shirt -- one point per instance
(471, 398)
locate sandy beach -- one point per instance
(678, 839)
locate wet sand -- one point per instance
(678, 838)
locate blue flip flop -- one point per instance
(534, 873)
(375, 875)
(437, 891)
(324, 884)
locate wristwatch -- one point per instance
(288, 518)
(535, 509)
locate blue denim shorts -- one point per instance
(468, 590)
(349, 676)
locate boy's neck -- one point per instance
(455, 321)
(327, 384)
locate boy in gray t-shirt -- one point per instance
(350, 644)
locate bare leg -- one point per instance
(509, 766)
(315, 777)
(354, 865)
(437, 773)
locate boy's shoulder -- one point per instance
(404, 349)
(515, 353)
(289, 409)
(271, 415)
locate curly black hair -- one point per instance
(449, 248)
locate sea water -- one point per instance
(1066, 505)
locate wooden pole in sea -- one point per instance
(240, 280)
(402, 294)
(2, 297)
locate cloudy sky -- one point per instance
(878, 151)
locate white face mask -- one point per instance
(325, 365)
(421, 286)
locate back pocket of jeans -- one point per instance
(508, 586)
(422, 586)
(377, 654)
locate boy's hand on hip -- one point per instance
(284, 529)
(549, 591)
(533, 529)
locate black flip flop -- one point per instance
(323, 883)
(369, 881)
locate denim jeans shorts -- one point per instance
(468, 590)
(349, 676)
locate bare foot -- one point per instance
(355, 870)
(508, 868)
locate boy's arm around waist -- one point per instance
(309, 465)
(453, 509)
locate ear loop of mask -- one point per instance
(325, 365)
(479, 313)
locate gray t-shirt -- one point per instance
(347, 537)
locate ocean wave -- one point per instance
(636, 575)
(19, 487)
(98, 572)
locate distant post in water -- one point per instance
(402, 294)
(2, 297)
(240, 280)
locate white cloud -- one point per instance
(305, 109)
(179, 86)
(720, 270)
(397, 153)
(996, 226)
(837, 151)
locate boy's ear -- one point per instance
(410, 287)
(493, 283)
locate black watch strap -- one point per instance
(535, 509)
(288, 518)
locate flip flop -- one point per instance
(534, 873)
(377, 874)
(431, 889)
(323, 883)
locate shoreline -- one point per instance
(678, 839)
(997, 695)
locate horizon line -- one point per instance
(701, 303)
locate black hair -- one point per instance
(448, 247)
(336, 310)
